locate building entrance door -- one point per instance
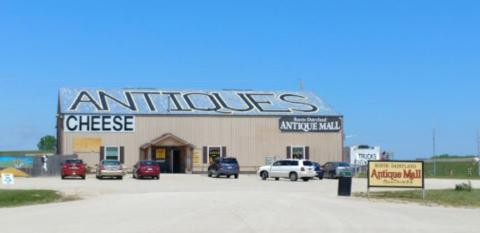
(175, 161)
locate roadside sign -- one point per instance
(8, 179)
(396, 174)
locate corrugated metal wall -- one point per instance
(250, 139)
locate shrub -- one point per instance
(464, 187)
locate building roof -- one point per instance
(192, 102)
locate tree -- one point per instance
(47, 143)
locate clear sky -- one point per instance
(394, 69)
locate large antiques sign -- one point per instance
(310, 124)
(190, 102)
(396, 174)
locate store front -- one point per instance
(186, 130)
(172, 153)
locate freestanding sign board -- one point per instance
(7, 179)
(396, 174)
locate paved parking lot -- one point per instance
(195, 203)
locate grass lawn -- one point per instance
(12, 198)
(447, 197)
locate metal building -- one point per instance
(185, 129)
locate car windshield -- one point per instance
(111, 162)
(307, 163)
(148, 163)
(73, 161)
(230, 161)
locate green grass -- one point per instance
(457, 170)
(13, 198)
(447, 197)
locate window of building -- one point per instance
(213, 153)
(112, 153)
(298, 152)
(210, 153)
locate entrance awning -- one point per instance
(167, 140)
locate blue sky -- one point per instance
(394, 69)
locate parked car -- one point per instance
(319, 170)
(74, 168)
(336, 169)
(226, 166)
(146, 168)
(110, 168)
(289, 168)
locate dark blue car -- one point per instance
(319, 170)
(226, 166)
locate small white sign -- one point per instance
(8, 179)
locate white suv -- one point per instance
(288, 168)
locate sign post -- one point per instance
(396, 174)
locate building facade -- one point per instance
(185, 130)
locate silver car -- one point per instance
(110, 168)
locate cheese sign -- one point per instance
(396, 174)
(99, 123)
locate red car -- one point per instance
(74, 167)
(146, 168)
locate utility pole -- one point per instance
(434, 159)
(301, 84)
(478, 144)
(478, 151)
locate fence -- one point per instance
(454, 168)
(34, 166)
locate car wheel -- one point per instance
(83, 177)
(320, 177)
(228, 176)
(158, 177)
(63, 177)
(305, 179)
(293, 176)
(264, 175)
(276, 178)
(120, 177)
(236, 176)
(209, 174)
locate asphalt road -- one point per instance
(194, 203)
